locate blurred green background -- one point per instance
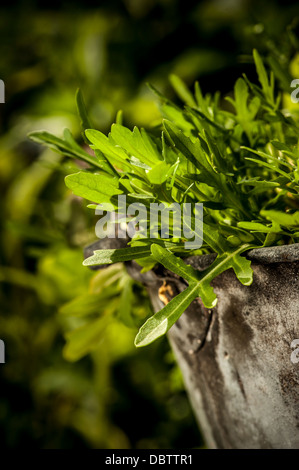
(107, 394)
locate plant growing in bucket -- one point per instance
(209, 222)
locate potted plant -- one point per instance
(227, 175)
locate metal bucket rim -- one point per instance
(265, 255)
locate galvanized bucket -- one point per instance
(239, 360)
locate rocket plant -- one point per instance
(238, 156)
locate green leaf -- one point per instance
(141, 196)
(117, 255)
(85, 122)
(267, 85)
(177, 117)
(85, 339)
(136, 162)
(119, 117)
(261, 71)
(115, 155)
(276, 161)
(281, 73)
(67, 147)
(201, 102)
(159, 173)
(199, 114)
(159, 324)
(137, 143)
(96, 188)
(241, 97)
(126, 300)
(85, 305)
(193, 152)
(256, 227)
(182, 90)
(174, 263)
(291, 221)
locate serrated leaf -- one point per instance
(193, 152)
(159, 324)
(137, 143)
(174, 263)
(116, 155)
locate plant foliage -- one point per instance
(239, 157)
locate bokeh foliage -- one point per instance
(109, 50)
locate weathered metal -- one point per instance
(236, 358)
